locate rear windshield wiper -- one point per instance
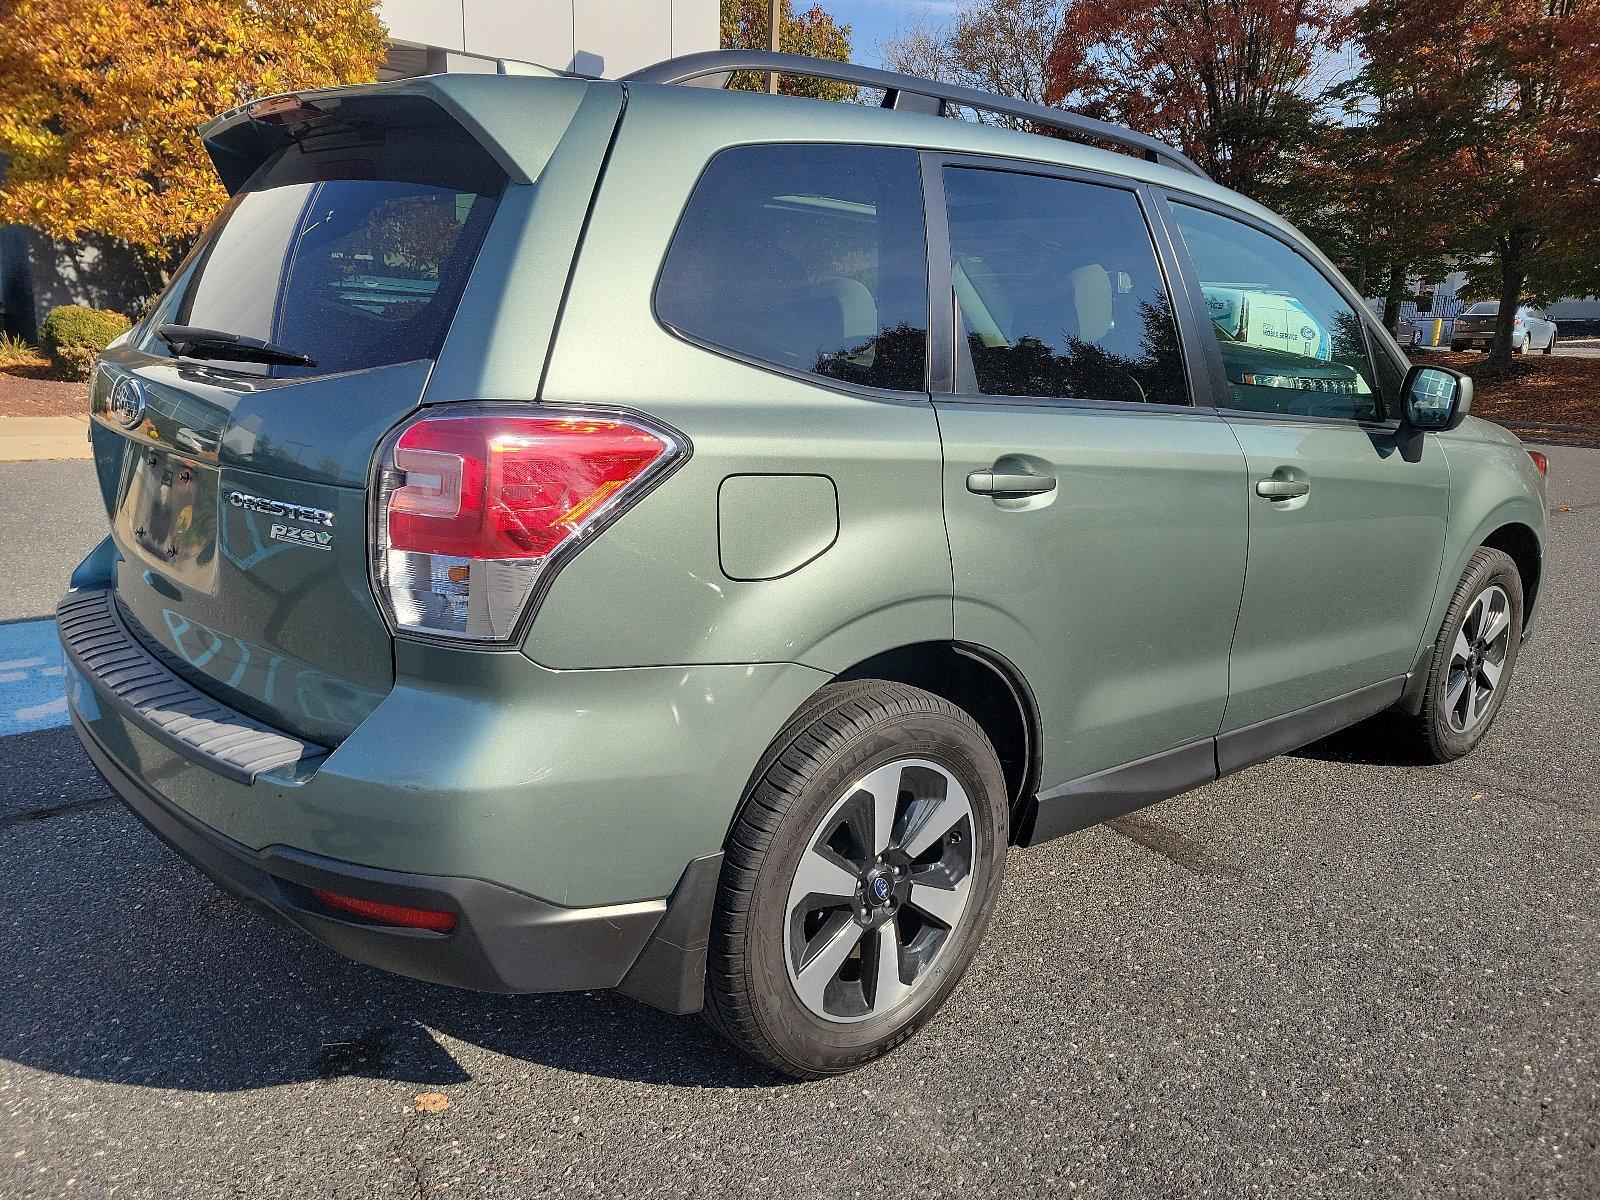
(214, 343)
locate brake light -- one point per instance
(389, 914)
(475, 505)
(1540, 461)
(1517, 322)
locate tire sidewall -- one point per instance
(793, 1031)
(1488, 567)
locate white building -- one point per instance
(589, 37)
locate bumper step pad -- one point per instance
(138, 685)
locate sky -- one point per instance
(874, 22)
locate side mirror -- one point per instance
(1435, 398)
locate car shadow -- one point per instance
(127, 966)
(1373, 742)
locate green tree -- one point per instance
(746, 25)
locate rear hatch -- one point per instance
(235, 477)
(1476, 321)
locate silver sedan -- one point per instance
(1531, 330)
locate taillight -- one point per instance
(1517, 322)
(475, 505)
(1540, 461)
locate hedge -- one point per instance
(71, 336)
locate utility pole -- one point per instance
(774, 28)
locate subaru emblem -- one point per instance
(880, 889)
(127, 402)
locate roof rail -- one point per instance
(907, 93)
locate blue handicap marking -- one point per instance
(32, 695)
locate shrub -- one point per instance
(15, 352)
(71, 336)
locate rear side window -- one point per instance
(352, 272)
(1059, 290)
(806, 257)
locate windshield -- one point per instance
(1484, 308)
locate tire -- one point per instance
(1550, 346)
(1456, 347)
(1522, 346)
(772, 986)
(1443, 730)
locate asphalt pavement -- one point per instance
(1335, 974)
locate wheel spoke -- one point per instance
(1470, 708)
(1452, 696)
(943, 904)
(820, 875)
(1495, 624)
(941, 817)
(812, 980)
(883, 785)
(1462, 650)
(888, 989)
(1489, 674)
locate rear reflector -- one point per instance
(475, 504)
(1540, 461)
(389, 914)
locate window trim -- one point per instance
(1167, 198)
(841, 386)
(951, 366)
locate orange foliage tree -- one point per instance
(746, 25)
(99, 101)
(1234, 83)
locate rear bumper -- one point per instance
(573, 820)
(504, 941)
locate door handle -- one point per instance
(1000, 483)
(1282, 489)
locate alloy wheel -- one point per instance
(881, 887)
(1478, 659)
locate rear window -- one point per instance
(806, 257)
(1484, 308)
(356, 266)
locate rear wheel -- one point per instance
(858, 879)
(1472, 659)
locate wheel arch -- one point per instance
(1522, 544)
(979, 681)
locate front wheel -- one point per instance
(1472, 658)
(1550, 346)
(857, 880)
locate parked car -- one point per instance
(1409, 334)
(1530, 329)
(682, 547)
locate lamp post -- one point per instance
(774, 28)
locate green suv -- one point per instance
(570, 534)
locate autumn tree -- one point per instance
(1503, 101)
(99, 101)
(747, 25)
(1238, 85)
(1000, 46)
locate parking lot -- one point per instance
(1336, 974)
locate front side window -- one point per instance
(1059, 290)
(806, 257)
(1290, 342)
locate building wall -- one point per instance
(590, 37)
